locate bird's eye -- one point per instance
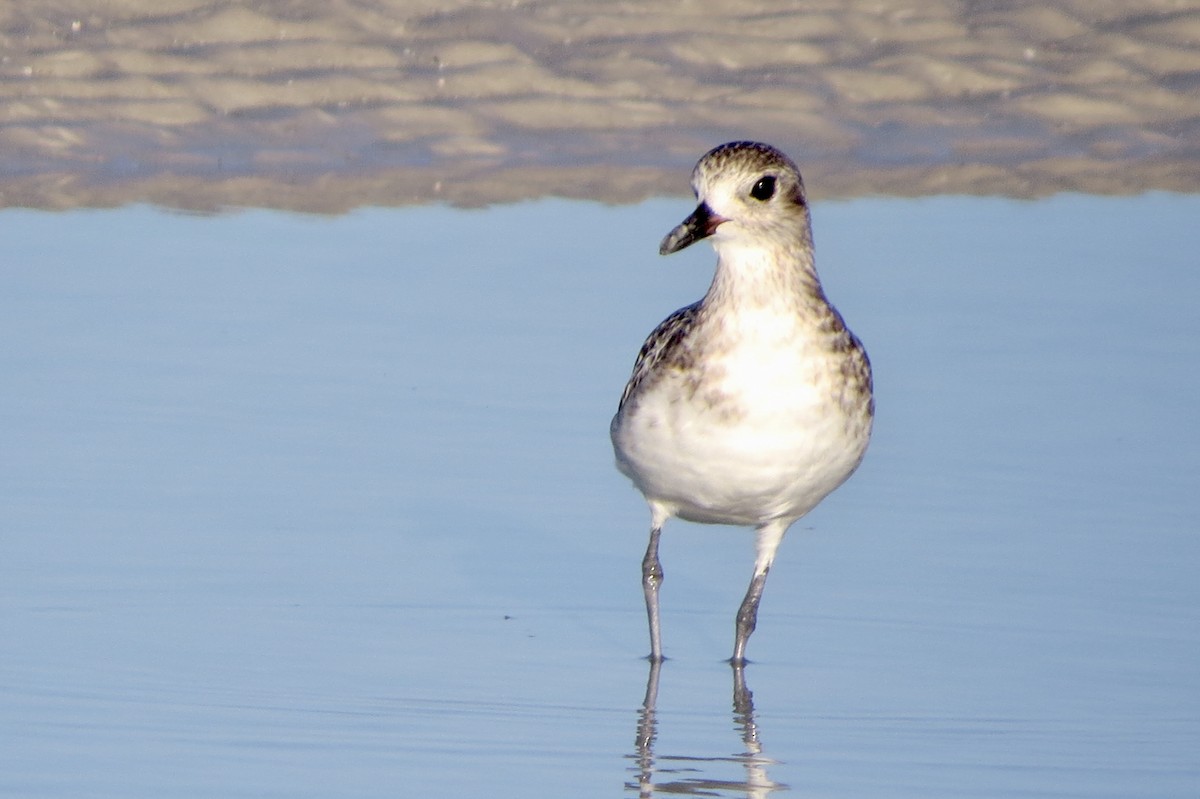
(764, 189)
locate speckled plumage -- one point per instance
(751, 405)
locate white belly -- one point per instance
(756, 440)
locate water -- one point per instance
(307, 506)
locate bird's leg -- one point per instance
(767, 542)
(747, 617)
(652, 577)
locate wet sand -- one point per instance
(325, 107)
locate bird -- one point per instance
(750, 406)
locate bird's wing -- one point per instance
(665, 339)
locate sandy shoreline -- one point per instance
(323, 107)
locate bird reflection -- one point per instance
(684, 775)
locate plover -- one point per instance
(751, 405)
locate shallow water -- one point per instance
(309, 506)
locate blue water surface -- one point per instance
(305, 506)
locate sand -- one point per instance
(324, 107)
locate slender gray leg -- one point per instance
(747, 617)
(652, 577)
(769, 536)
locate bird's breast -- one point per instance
(750, 428)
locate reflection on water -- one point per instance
(663, 774)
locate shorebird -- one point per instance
(750, 406)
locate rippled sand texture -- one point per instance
(326, 106)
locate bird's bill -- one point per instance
(699, 225)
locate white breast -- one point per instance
(750, 433)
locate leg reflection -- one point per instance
(647, 731)
(753, 761)
(699, 775)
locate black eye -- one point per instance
(764, 189)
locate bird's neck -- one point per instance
(758, 279)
